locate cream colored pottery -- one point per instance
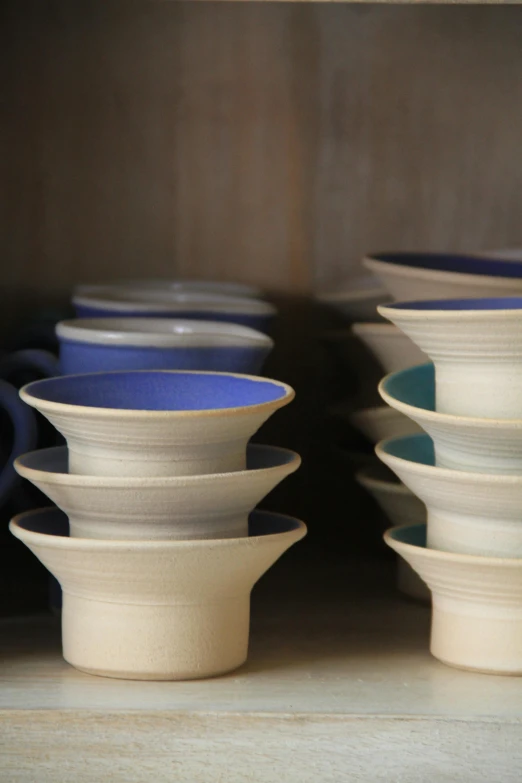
(390, 346)
(381, 422)
(157, 423)
(407, 283)
(156, 610)
(164, 508)
(461, 443)
(477, 604)
(401, 507)
(356, 299)
(476, 347)
(468, 513)
(221, 287)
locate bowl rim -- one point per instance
(436, 309)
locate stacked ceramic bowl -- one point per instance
(155, 540)
(467, 469)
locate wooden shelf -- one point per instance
(339, 686)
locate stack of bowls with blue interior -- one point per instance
(466, 467)
(154, 540)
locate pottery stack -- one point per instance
(155, 539)
(467, 469)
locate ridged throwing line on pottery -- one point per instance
(157, 423)
(156, 610)
(476, 618)
(468, 513)
(476, 347)
(167, 508)
(461, 442)
(410, 275)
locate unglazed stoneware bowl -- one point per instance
(167, 508)
(468, 513)
(157, 423)
(461, 443)
(476, 347)
(381, 422)
(390, 346)
(401, 507)
(476, 617)
(413, 276)
(106, 302)
(156, 610)
(99, 344)
(356, 299)
(220, 287)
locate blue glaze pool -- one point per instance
(414, 386)
(490, 303)
(451, 262)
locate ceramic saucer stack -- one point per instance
(155, 544)
(468, 471)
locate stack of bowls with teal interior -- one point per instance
(467, 468)
(154, 538)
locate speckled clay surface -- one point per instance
(391, 347)
(157, 423)
(476, 347)
(165, 508)
(469, 513)
(461, 442)
(156, 610)
(476, 615)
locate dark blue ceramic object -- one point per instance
(451, 262)
(24, 437)
(452, 305)
(157, 391)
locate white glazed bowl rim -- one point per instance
(50, 406)
(283, 459)
(394, 533)
(425, 414)
(375, 263)
(468, 308)
(161, 332)
(151, 300)
(451, 475)
(292, 527)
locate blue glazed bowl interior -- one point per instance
(157, 391)
(415, 535)
(412, 448)
(450, 262)
(414, 386)
(490, 303)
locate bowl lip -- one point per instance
(180, 302)
(364, 287)
(137, 414)
(373, 413)
(220, 287)
(296, 530)
(449, 557)
(438, 310)
(80, 480)
(434, 417)
(436, 471)
(364, 478)
(158, 332)
(389, 260)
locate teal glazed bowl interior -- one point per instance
(411, 448)
(414, 386)
(413, 535)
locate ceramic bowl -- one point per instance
(220, 287)
(461, 443)
(476, 617)
(106, 302)
(156, 610)
(356, 299)
(414, 276)
(156, 423)
(172, 507)
(390, 346)
(476, 347)
(401, 507)
(98, 344)
(14, 440)
(381, 422)
(468, 513)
